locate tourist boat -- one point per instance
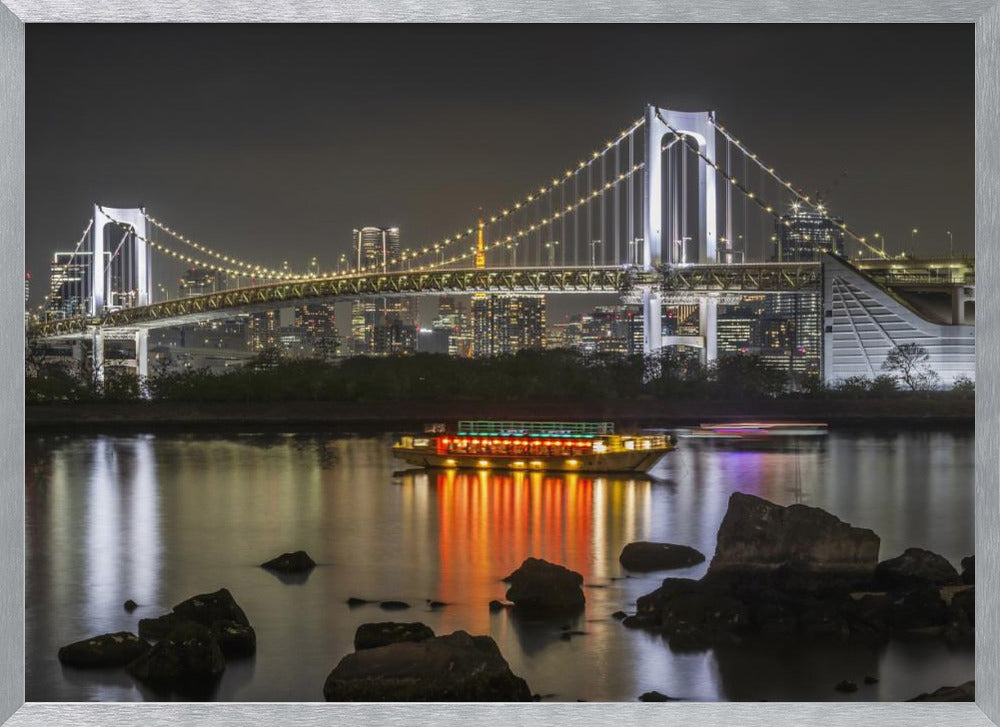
(550, 446)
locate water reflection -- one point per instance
(157, 519)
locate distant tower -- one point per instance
(480, 249)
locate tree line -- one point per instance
(559, 375)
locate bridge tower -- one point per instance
(105, 246)
(699, 125)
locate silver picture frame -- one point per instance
(14, 14)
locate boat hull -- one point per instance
(632, 461)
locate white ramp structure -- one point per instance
(699, 125)
(863, 322)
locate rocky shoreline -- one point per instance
(778, 573)
(801, 573)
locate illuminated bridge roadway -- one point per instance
(730, 279)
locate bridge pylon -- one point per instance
(106, 246)
(699, 125)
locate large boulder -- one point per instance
(643, 556)
(373, 635)
(453, 668)
(692, 614)
(104, 651)
(538, 585)
(297, 562)
(915, 568)
(757, 535)
(207, 608)
(189, 660)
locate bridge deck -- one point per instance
(715, 278)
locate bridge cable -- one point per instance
(790, 187)
(749, 193)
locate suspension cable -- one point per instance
(815, 206)
(749, 193)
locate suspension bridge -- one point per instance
(674, 204)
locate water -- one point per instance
(160, 518)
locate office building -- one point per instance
(801, 235)
(318, 323)
(506, 324)
(70, 281)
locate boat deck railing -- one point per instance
(487, 427)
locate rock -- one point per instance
(869, 680)
(915, 568)
(920, 609)
(104, 651)
(159, 627)
(234, 639)
(394, 605)
(846, 686)
(692, 614)
(130, 605)
(619, 615)
(960, 625)
(297, 562)
(188, 660)
(962, 693)
(207, 608)
(496, 605)
(373, 635)
(654, 697)
(453, 668)
(436, 604)
(354, 601)
(757, 535)
(969, 570)
(644, 556)
(538, 585)
(634, 622)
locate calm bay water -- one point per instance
(159, 518)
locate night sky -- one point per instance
(273, 142)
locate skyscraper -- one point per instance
(506, 324)
(784, 329)
(318, 323)
(376, 247)
(452, 321)
(791, 334)
(802, 234)
(395, 338)
(70, 282)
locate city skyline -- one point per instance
(263, 189)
